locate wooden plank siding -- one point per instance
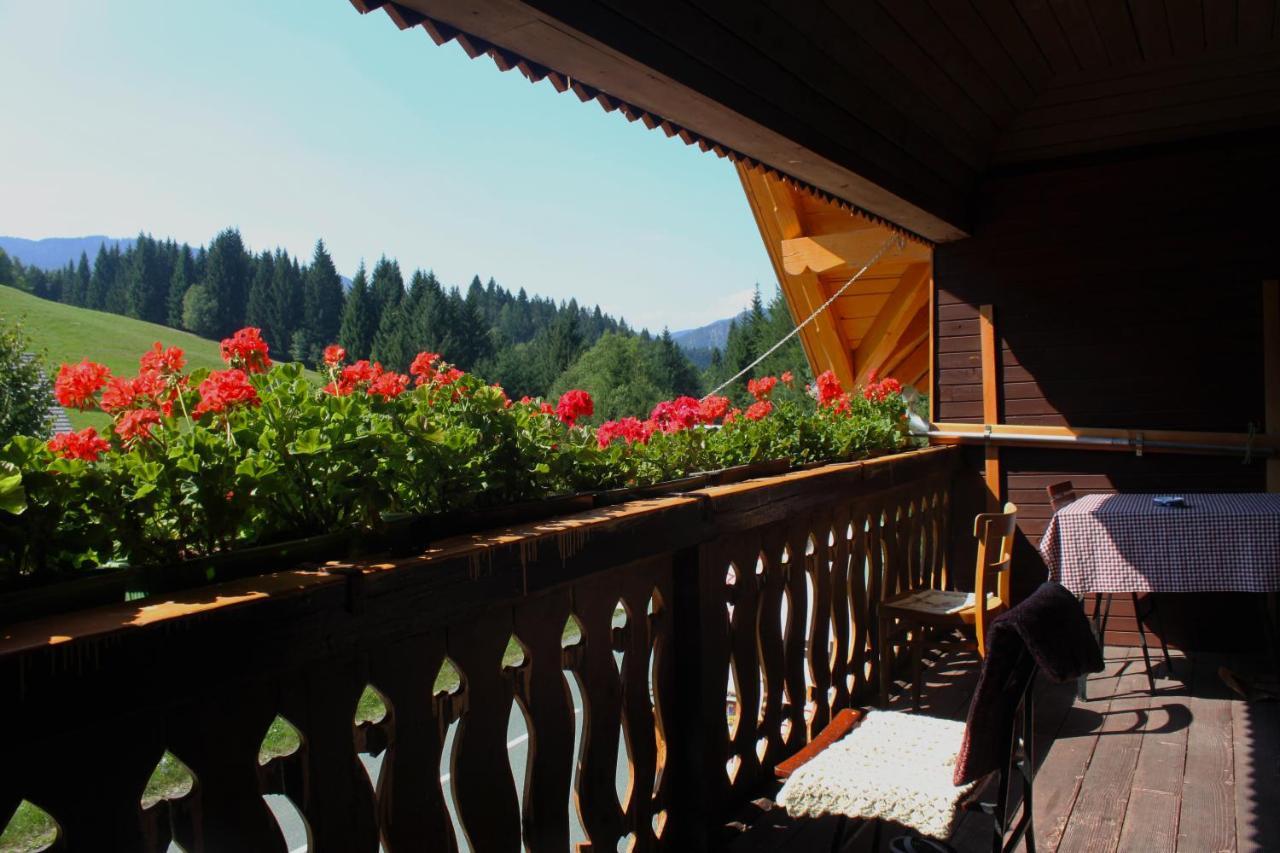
(1127, 294)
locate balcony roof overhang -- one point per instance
(894, 110)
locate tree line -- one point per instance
(530, 345)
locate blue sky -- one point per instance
(298, 119)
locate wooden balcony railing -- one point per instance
(706, 636)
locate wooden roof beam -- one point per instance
(850, 248)
(886, 333)
(773, 207)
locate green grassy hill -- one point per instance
(66, 333)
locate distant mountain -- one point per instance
(711, 336)
(53, 253)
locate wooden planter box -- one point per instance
(99, 695)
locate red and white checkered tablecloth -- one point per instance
(1128, 543)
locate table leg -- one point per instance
(1271, 623)
(1082, 683)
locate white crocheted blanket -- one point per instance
(892, 766)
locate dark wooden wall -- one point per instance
(1127, 294)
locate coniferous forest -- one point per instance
(530, 345)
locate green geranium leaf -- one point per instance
(13, 498)
(309, 442)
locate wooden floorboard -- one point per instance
(1255, 740)
(1191, 767)
(1208, 819)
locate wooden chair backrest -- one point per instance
(1061, 494)
(994, 531)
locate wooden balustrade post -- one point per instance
(695, 710)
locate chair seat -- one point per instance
(939, 605)
(892, 766)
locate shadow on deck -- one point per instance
(1190, 768)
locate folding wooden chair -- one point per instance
(929, 778)
(919, 617)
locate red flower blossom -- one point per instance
(788, 378)
(162, 360)
(223, 390)
(878, 392)
(573, 405)
(135, 425)
(712, 409)
(118, 395)
(246, 350)
(759, 410)
(732, 416)
(78, 384)
(388, 385)
(423, 367)
(546, 409)
(761, 388)
(675, 415)
(334, 355)
(84, 445)
(362, 374)
(829, 390)
(629, 430)
(449, 376)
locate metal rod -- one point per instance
(1103, 441)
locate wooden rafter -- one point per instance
(822, 340)
(878, 322)
(885, 336)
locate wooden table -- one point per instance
(1127, 543)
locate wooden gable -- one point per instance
(880, 323)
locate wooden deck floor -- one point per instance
(1191, 768)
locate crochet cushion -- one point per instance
(893, 766)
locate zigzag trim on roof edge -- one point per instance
(442, 33)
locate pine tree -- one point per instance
(145, 287)
(321, 304)
(358, 323)
(258, 309)
(391, 345)
(96, 294)
(179, 282)
(226, 281)
(386, 288)
(6, 269)
(286, 300)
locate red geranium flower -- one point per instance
(162, 360)
(573, 405)
(78, 384)
(334, 355)
(118, 395)
(246, 350)
(759, 409)
(788, 378)
(761, 388)
(712, 409)
(629, 430)
(84, 445)
(135, 425)
(388, 385)
(546, 409)
(225, 389)
(354, 376)
(675, 415)
(423, 367)
(732, 416)
(449, 376)
(829, 389)
(878, 392)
